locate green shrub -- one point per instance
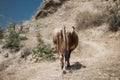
(13, 38)
(43, 51)
(113, 17)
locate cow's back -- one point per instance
(71, 38)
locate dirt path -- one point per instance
(98, 47)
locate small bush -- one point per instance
(113, 17)
(86, 19)
(13, 39)
(43, 51)
(1, 33)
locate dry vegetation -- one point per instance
(105, 12)
(89, 19)
(1, 33)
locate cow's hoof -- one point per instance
(68, 67)
(64, 72)
(62, 67)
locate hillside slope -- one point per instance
(97, 56)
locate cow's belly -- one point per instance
(72, 47)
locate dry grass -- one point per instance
(70, 5)
(88, 19)
(99, 13)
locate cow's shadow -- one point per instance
(76, 66)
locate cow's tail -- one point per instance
(65, 44)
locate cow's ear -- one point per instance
(73, 27)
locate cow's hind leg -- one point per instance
(68, 61)
(63, 64)
(61, 61)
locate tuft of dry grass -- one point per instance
(88, 19)
(70, 5)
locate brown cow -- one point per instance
(65, 40)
